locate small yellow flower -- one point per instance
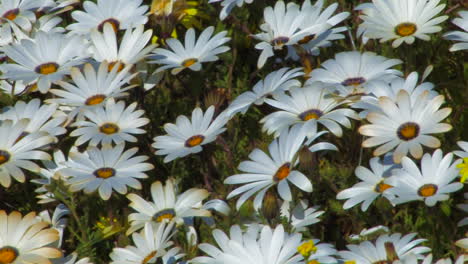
(463, 170)
(306, 248)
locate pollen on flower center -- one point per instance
(405, 29)
(427, 190)
(95, 99)
(189, 62)
(114, 23)
(4, 157)
(149, 257)
(166, 214)
(283, 172)
(381, 187)
(408, 131)
(307, 248)
(310, 114)
(109, 128)
(111, 66)
(306, 39)
(47, 68)
(8, 255)
(314, 261)
(279, 42)
(11, 14)
(104, 173)
(353, 81)
(350, 262)
(194, 141)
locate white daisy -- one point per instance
(168, 205)
(17, 151)
(262, 171)
(193, 52)
(150, 244)
(121, 14)
(459, 35)
(106, 169)
(45, 59)
(372, 186)
(92, 87)
(351, 73)
(26, 240)
(57, 221)
(464, 152)
(386, 248)
(112, 123)
(400, 20)
(188, 136)
(309, 107)
(405, 125)
(301, 215)
(44, 118)
(275, 82)
(282, 27)
(432, 183)
(256, 245)
(228, 5)
(20, 12)
(130, 51)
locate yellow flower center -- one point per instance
(189, 62)
(314, 261)
(111, 66)
(427, 190)
(11, 14)
(307, 248)
(310, 114)
(405, 29)
(4, 157)
(8, 255)
(109, 128)
(166, 214)
(350, 262)
(113, 22)
(353, 81)
(463, 170)
(194, 141)
(104, 173)
(149, 257)
(47, 68)
(283, 172)
(95, 99)
(381, 187)
(408, 131)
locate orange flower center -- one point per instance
(306, 39)
(408, 131)
(283, 172)
(11, 14)
(8, 255)
(405, 29)
(189, 62)
(95, 99)
(47, 68)
(113, 22)
(310, 114)
(111, 66)
(104, 173)
(381, 187)
(109, 128)
(149, 257)
(4, 157)
(427, 190)
(166, 214)
(194, 141)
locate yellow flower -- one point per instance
(306, 248)
(463, 170)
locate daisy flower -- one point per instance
(459, 35)
(44, 118)
(121, 14)
(188, 136)
(262, 171)
(400, 20)
(386, 248)
(45, 59)
(130, 51)
(112, 123)
(282, 28)
(106, 169)
(372, 184)
(464, 152)
(150, 244)
(275, 82)
(405, 125)
(92, 88)
(351, 73)
(72, 259)
(20, 12)
(432, 183)
(192, 53)
(301, 215)
(168, 205)
(256, 245)
(308, 106)
(18, 149)
(15, 89)
(228, 5)
(25, 239)
(57, 221)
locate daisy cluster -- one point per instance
(74, 79)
